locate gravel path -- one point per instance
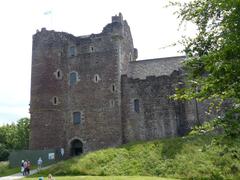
(19, 175)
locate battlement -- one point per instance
(109, 28)
(117, 18)
(113, 32)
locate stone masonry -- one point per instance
(89, 92)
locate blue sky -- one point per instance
(152, 26)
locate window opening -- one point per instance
(96, 78)
(72, 78)
(72, 51)
(58, 74)
(76, 117)
(136, 105)
(113, 88)
(55, 100)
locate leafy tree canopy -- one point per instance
(14, 136)
(213, 55)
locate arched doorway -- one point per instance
(76, 147)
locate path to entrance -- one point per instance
(20, 176)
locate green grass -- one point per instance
(5, 170)
(187, 157)
(103, 178)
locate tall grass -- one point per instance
(201, 157)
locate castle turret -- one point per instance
(47, 105)
(118, 18)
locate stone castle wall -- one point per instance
(98, 78)
(158, 116)
(98, 60)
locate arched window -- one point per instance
(136, 105)
(73, 77)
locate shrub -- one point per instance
(4, 153)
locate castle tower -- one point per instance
(76, 88)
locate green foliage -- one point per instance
(192, 157)
(231, 122)
(5, 170)
(206, 128)
(23, 131)
(105, 178)
(213, 55)
(4, 153)
(14, 136)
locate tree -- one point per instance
(213, 56)
(14, 137)
(22, 133)
(4, 153)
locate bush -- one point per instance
(190, 157)
(4, 153)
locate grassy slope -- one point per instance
(5, 170)
(104, 178)
(188, 157)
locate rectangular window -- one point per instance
(136, 105)
(73, 78)
(76, 118)
(72, 51)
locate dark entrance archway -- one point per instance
(76, 147)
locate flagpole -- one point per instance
(50, 15)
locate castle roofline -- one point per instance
(161, 59)
(117, 19)
(154, 67)
(44, 30)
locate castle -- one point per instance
(89, 92)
